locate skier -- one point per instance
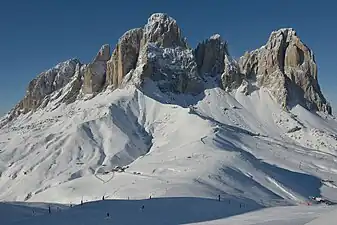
(107, 216)
(49, 209)
(103, 197)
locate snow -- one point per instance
(155, 21)
(215, 36)
(158, 18)
(182, 158)
(326, 218)
(165, 211)
(171, 66)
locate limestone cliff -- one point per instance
(287, 67)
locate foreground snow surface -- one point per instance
(243, 148)
(165, 211)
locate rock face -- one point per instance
(231, 77)
(124, 57)
(46, 83)
(162, 53)
(210, 56)
(173, 69)
(166, 59)
(75, 85)
(95, 73)
(164, 31)
(213, 59)
(287, 67)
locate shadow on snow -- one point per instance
(169, 211)
(303, 184)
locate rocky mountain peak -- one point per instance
(210, 55)
(133, 47)
(164, 31)
(103, 54)
(124, 57)
(95, 72)
(216, 37)
(46, 83)
(286, 66)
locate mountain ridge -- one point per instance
(163, 30)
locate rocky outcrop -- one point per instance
(173, 69)
(287, 67)
(231, 77)
(104, 54)
(213, 59)
(48, 86)
(166, 59)
(160, 30)
(210, 56)
(47, 83)
(124, 57)
(163, 30)
(162, 55)
(75, 85)
(95, 73)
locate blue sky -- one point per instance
(37, 34)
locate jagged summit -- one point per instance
(95, 72)
(163, 30)
(162, 18)
(285, 66)
(284, 30)
(45, 84)
(210, 55)
(215, 36)
(103, 54)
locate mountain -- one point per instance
(177, 122)
(285, 66)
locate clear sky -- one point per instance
(37, 34)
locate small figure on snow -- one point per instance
(107, 216)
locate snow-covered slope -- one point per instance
(237, 146)
(164, 211)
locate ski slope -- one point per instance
(244, 148)
(166, 211)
